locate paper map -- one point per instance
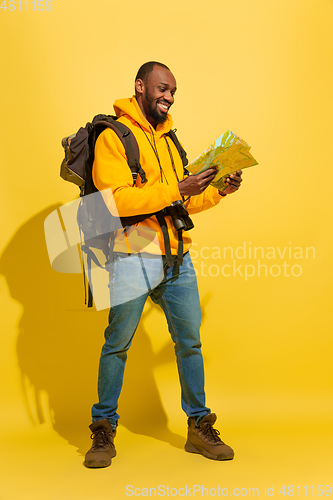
(229, 152)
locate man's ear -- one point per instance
(139, 86)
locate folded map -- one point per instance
(229, 152)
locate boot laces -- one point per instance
(210, 434)
(101, 439)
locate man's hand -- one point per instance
(196, 184)
(233, 182)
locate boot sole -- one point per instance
(97, 465)
(190, 448)
(92, 464)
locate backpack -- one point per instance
(95, 222)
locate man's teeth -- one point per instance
(163, 106)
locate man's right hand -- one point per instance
(196, 184)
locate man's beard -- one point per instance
(154, 113)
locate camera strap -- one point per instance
(162, 222)
(180, 248)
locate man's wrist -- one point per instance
(221, 193)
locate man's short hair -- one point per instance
(147, 68)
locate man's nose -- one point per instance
(169, 97)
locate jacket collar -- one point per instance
(130, 107)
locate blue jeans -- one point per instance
(132, 279)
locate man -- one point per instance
(135, 275)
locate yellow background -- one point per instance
(261, 68)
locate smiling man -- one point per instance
(163, 271)
(156, 95)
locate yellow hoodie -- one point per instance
(111, 170)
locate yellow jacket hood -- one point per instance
(130, 108)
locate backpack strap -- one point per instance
(129, 142)
(180, 149)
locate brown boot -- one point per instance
(205, 440)
(102, 450)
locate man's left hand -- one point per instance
(233, 181)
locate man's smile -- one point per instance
(163, 107)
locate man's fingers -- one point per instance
(204, 186)
(196, 184)
(205, 182)
(208, 173)
(234, 180)
(236, 176)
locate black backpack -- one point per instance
(96, 224)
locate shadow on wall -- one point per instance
(59, 344)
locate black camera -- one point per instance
(179, 215)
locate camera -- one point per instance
(179, 215)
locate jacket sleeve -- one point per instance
(111, 170)
(208, 199)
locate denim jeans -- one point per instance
(132, 279)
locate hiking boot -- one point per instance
(102, 450)
(205, 440)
